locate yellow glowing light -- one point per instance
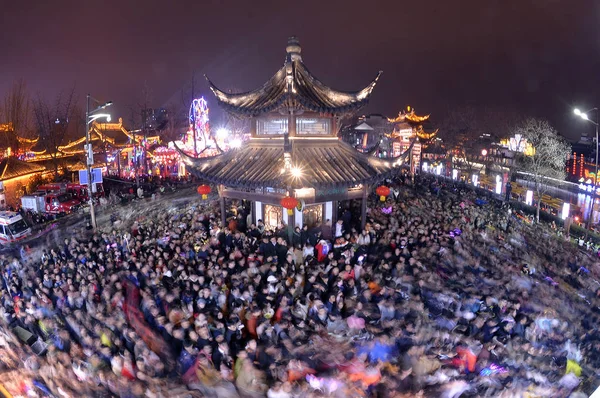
(296, 172)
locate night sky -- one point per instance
(541, 56)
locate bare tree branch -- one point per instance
(549, 158)
(16, 112)
(53, 121)
(177, 123)
(466, 131)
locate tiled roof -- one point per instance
(11, 167)
(323, 163)
(293, 86)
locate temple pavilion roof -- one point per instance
(409, 116)
(293, 87)
(321, 163)
(11, 167)
(106, 135)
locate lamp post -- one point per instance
(584, 116)
(90, 116)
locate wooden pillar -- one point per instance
(119, 164)
(253, 122)
(292, 125)
(222, 203)
(334, 212)
(363, 207)
(290, 226)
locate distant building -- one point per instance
(369, 134)
(154, 119)
(517, 143)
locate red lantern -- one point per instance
(204, 190)
(382, 191)
(290, 204)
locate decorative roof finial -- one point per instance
(293, 48)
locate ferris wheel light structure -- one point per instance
(198, 137)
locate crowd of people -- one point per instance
(440, 294)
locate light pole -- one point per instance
(584, 116)
(89, 152)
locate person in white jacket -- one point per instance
(364, 239)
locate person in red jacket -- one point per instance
(322, 250)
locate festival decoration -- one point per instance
(387, 210)
(382, 191)
(198, 140)
(289, 203)
(204, 190)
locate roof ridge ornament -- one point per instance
(293, 49)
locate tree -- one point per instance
(52, 122)
(15, 111)
(461, 133)
(236, 125)
(549, 157)
(466, 131)
(177, 123)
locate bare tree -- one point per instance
(177, 123)
(466, 131)
(236, 125)
(549, 157)
(461, 133)
(15, 111)
(53, 121)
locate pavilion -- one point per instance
(293, 149)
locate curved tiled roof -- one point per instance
(294, 87)
(11, 167)
(323, 163)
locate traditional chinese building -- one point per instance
(409, 135)
(293, 149)
(116, 148)
(15, 177)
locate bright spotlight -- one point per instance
(529, 198)
(577, 111)
(584, 116)
(222, 132)
(566, 210)
(108, 118)
(296, 172)
(235, 143)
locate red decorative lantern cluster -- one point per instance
(383, 192)
(290, 204)
(204, 190)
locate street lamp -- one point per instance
(90, 116)
(584, 116)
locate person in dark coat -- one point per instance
(326, 230)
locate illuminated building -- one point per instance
(408, 134)
(293, 149)
(15, 175)
(517, 143)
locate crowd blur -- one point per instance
(440, 294)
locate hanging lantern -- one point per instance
(290, 204)
(204, 190)
(383, 192)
